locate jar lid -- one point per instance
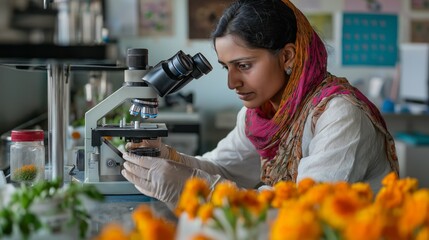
(27, 135)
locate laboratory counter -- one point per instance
(118, 209)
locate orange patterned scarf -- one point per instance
(278, 139)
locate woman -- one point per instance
(298, 120)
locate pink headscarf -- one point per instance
(308, 85)
(309, 70)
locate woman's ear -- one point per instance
(289, 52)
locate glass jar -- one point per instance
(27, 156)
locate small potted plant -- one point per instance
(25, 174)
(47, 209)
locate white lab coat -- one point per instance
(345, 145)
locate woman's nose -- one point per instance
(233, 80)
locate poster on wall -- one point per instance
(203, 16)
(369, 39)
(420, 31)
(420, 5)
(156, 17)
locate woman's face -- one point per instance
(256, 75)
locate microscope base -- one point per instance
(110, 188)
(115, 188)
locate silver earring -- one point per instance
(289, 71)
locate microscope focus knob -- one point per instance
(112, 163)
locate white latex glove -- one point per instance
(166, 151)
(161, 178)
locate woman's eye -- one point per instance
(243, 66)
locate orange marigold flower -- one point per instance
(341, 186)
(389, 179)
(390, 231)
(205, 212)
(339, 208)
(140, 215)
(201, 236)
(414, 212)
(423, 233)
(249, 200)
(151, 227)
(29, 167)
(295, 222)
(198, 186)
(112, 231)
(191, 207)
(367, 224)
(316, 194)
(266, 196)
(158, 229)
(283, 191)
(364, 191)
(407, 185)
(389, 198)
(134, 235)
(305, 184)
(195, 193)
(225, 193)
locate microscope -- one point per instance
(142, 87)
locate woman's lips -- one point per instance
(244, 96)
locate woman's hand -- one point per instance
(161, 178)
(150, 143)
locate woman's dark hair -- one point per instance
(268, 24)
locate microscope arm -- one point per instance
(100, 110)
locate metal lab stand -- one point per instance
(58, 61)
(58, 90)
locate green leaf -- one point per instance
(83, 228)
(230, 216)
(6, 219)
(17, 213)
(248, 217)
(330, 233)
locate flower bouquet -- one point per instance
(146, 226)
(306, 210)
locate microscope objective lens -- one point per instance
(135, 110)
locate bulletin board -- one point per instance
(420, 30)
(156, 17)
(369, 39)
(204, 15)
(420, 5)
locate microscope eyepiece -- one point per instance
(180, 65)
(166, 77)
(201, 64)
(170, 75)
(137, 58)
